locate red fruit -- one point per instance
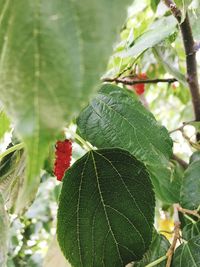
(63, 155)
(139, 88)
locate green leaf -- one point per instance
(110, 217)
(168, 65)
(154, 4)
(187, 255)
(195, 157)
(159, 31)
(12, 177)
(4, 233)
(191, 230)
(167, 181)
(122, 121)
(52, 56)
(190, 197)
(158, 248)
(4, 124)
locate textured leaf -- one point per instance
(159, 31)
(122, 121)
(106, 210)
(190, 191)
(52, 55)
(3, 233)
(191, 230)
(187, 255)
(158, 248)
(4, 124)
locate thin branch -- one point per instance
(190, 52)
(156, 262)
(176, 237)
(132, 82)
(180, 161)
(186, 211)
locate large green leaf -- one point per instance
(187, 255)
(4, 124)
(190, 191)
(52, 55)
(106, 210)
(3, 233)
(116, 119)
(158, 248)
(159, 31)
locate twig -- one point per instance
(11, 149)
(177, 225)
(132, 82)
(190, 52)
(180, 161)
(156, 262)
(186, 211)
(181, 127)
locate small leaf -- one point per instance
(154, 4)
(191, 230)
(168, 65)
(187, 255)
(106, 210)
(190, 197)
(167, 180)
(158, 248)
(3, 233)
(159, 31)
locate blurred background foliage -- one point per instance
(142, 47)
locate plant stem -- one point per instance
(132, 82)
(190, 52)
(87, 145)
(177, 225)
(11, 149)
(154, 263)
(82, 141)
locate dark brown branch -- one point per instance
(190, 53)
(132, 82)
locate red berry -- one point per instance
(63, 155)
(139, 88)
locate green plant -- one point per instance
(128, 167)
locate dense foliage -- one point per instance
(127, 120)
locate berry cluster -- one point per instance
(63, 155)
